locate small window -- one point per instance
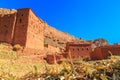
(73, 49)
(20, 20)
(87, 48)
(78, 49)
(22, 15)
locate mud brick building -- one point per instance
(85, 51)
(22, 27)
(78, 50)
(104, 52)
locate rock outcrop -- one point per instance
(98, 42)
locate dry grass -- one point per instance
(13, 67)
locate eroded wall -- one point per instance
(105, 51)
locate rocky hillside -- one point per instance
(58, 38)
(98, 42)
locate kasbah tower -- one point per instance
(22, 27)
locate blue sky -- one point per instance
(89, 19)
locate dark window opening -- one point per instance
(78, 49)
(20, 20)
(73, 49)
(87, 49)
(5, 26)
(22, 15)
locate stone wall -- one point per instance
(35, 36)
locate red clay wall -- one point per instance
(79, 50)
(20, 34)
(96, 54)
(104, 52)
(7, 24)
(35, 37)
(24, 28)
(29, 30)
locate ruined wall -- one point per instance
(96, 54)
(35, 37)
(105, 51)
(7, 25)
